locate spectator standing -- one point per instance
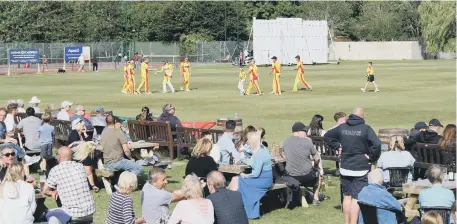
(68, 182)
(228, 205)
(80, 112)
(46, 137)
(120, 209)
(168, 115)
(395, 157)
(29, 126)
(17, 197)
(302, 159)
(115, 147)
(201, 164)
(376, 194)
(436, 195)
(449, 136)
(195, 209)
(20, 106)
(360, 149)
(34, 103)
(430, 135)
(253, 186)
(63, 113)
(155, 200)
(226, 145)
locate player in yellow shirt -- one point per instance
(370, 77)
(276, 70)
(131, 72)
(185, 73)
(241, 81)
(168, 72)
(300, 75)
(144, 77)
(125, 89)
(254, 77)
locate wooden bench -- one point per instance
(94, 113)
(152, 131)
(188, 137)
(62, 130)
(20, 116)
(429, 154)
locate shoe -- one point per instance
(363, 90)
(31, 160)
(182, 89)
(123, 92)
(172, 91)
(310, 89)
(316, 203)
(294, 91)
(164, 92)
(187, 90)
(377, 90)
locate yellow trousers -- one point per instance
(186, 80)
(300, 78)
(276, 84)
(253, 83)
(126, 83)
(132, 84)
(145, 82)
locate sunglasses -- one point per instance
(8, 154)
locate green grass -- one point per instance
(411, 91)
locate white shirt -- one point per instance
(395, 159)
(63, 115)
(81, 60)
(215, 153)
(17, 206)
(194, 211)
(9, 122)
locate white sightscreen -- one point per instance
(286, 38)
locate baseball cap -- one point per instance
(434, 122)
(168, 107)
(274, 57)
(420, 125)
(66, 103)
(75, 122)
(298, 126)
(298, 56)
(99, 109)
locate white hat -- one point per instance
(34, 100)
(75, 122)
(66, 103)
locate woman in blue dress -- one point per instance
(253, 186)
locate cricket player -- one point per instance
(168, 72)
(45, 63)
(185, 73)
(370, 77)
(300, 75)
(241, 81)
(144, 77)
(254, 77)
(125, 89)
(81, 63)
(276, 70)
(131, 71)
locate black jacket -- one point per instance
(228, 207)
(427, 136)
(173, 120)
(356, 139)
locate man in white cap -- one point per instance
(63, 113)
(34, 102)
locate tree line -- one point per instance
(433, 23)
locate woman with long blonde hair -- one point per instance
(17, 197)
(395, 157)
(448, 138)
(253, 186)
(201, 163)
(83, 152)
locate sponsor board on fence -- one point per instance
(23, 56)
(72, 53)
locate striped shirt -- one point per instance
(120, 209)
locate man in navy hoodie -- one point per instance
(360, 149)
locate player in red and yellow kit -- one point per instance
(168, 72)
(131, 72)
(276, 70)
(254, 77)
(185, 73)
(370, 77)
(144, 77)
(125, 89)
(300, 75)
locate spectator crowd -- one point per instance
(206, 195)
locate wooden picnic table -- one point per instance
(137, 146)
(414, 188)
(240, 168)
